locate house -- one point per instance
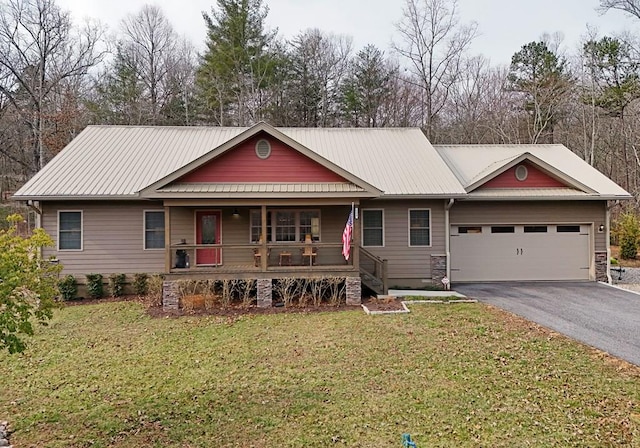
(202, 202)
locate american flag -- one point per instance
(346, 237)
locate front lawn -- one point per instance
(464, 376)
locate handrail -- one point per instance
(379, 268)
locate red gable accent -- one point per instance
(241, 164)
(536, 178)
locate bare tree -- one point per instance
(631, 7)
(150, 44)
(40, 52)
(434, 42)
(319, 63)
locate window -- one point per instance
(153, 230)
(568, 229)
(469, 229)
(419, 227)
(535, 229)
(372, 228)
(286, 225)
(503, 229)
(69, 230)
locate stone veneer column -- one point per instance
(354, 290)
(170, 296)
(602, 274)
(438, 269)
(265, 292)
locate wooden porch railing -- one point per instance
(250, 256)
(373, 271)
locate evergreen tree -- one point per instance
(237, 66)
(541, 76)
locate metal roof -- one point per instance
(261, 188)
(111, 162)
(529, 193)
(119, 161)
(473, 164)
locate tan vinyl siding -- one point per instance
(532, 212)
(113, 238)
(405, 262)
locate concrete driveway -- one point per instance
(598, 315)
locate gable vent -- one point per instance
(263, 149)
(522, 173)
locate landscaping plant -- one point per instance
(95, 286)
(68, 288)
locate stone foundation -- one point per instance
(354, 290)
(170, 296)
(265, 293)
(438, 269)
(602, 273)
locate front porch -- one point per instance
(266, 244)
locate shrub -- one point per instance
(95, 286)
(116, 284)
(68, 287)
(628, 228)
(140, 284)
(154, 289)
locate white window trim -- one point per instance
(297, 212)
(144, 229)
(362, 226)
(81, 231)
(409, 228)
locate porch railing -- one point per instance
(373, 271)
(249, 256)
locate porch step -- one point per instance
(371, 282)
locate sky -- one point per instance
(504, 25)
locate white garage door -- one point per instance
(520, 252)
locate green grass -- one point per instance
(463, 376)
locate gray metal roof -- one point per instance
(530, 193)
(120, 161)
(109, 162)
(473, 164)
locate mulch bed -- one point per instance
(372, 303)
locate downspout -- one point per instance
(607, 235)
(447, 234)
(35, 206)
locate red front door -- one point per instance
(208, 232)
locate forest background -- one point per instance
(57, 77)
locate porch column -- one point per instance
(263, 231)
(167, 239)
(356, 237)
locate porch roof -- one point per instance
(261, 188)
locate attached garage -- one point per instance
(508, 252)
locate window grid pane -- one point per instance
(70, 231)
(154, 230)
(419, 232)
(372, 228)
(285, 226)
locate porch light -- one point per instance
(601, 228)
(236, 214)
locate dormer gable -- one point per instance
(525, 171)
(524, 175)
